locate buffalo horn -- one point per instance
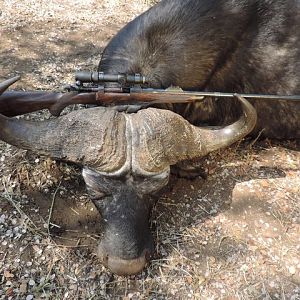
(95, 139)
(162, 138)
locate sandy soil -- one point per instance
(234, 235)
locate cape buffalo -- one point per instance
(244, 46)
(248, 46)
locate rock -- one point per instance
(7, 274)
(292, 270)
(31, 282)
(23, 287)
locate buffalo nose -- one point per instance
(121, 266)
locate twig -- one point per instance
(203, 209)
(256, 139)
(4, 256)
(51, 208)
(66, 246)
(54, 225)
(77, 213)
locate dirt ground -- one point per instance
(234, 235)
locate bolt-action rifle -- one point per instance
(102, 89)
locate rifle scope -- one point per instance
(98, 77)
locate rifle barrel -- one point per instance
(200, 95)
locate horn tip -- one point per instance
(7, 83)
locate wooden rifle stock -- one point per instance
(14, 103)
